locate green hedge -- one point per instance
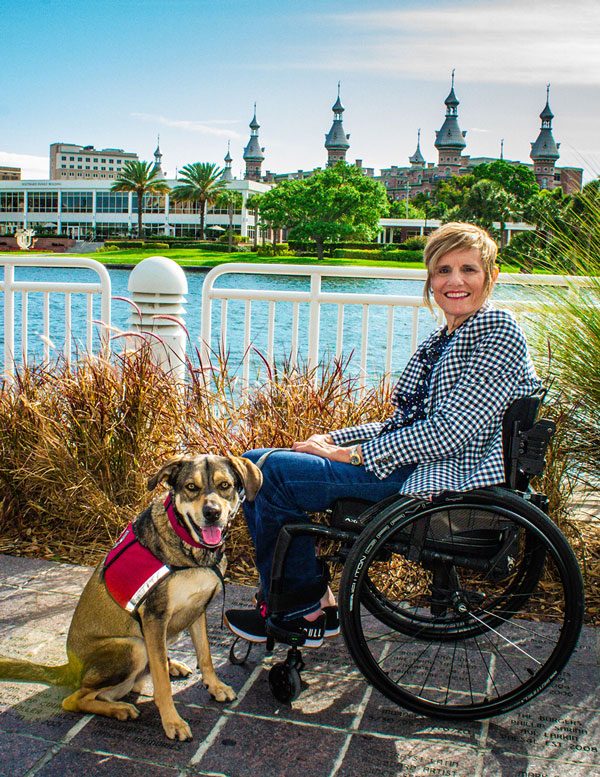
(401, 255)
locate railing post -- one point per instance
(9, 322)
(314, 320)
(158, 286)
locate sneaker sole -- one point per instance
(244, 635)
(332, 633)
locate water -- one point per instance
(121, 312)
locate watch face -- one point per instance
(354, 458)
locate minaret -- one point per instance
(253, 153)
(449, 140)
(227, 175)
(417, 159)
(336, 140)
(158, 160)
(544, 152)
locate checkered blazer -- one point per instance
(459, 444)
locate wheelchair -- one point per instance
(459, 607)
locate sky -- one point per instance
(119, 73)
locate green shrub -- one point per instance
(124, 244)
(393, 255)
(281, 249)
(157, 246)
(416, 243)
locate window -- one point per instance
(104, 230)
(152, 203)
(76, 202)
(109, 202)
(11, 202)
(42, 202)
(186, 208)
(71, 159)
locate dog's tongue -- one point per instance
(211, 535)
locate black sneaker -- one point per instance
(332, 621)
(247, 624)
(298, 631)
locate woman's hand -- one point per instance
(322, 445)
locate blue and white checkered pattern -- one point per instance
(458, 446)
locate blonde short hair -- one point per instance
(449, 237)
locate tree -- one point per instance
(335, 203)
(517, 180)
(231, 200)
(400, 209)
(201, 182)
(141, 178)
(253, 204)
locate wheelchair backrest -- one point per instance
(524, 441)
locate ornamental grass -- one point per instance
(78, 445)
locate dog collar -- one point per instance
(181, 531)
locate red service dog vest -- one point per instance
(131, 571)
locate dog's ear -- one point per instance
(249, 474)
(168, 471)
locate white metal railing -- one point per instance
(11, 287)
(315, 297)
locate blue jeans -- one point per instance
(295, 484)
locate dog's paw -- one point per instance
(123, 711)
(178, 668)
(177, 728)
(220, 691)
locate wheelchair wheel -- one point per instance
(474, 537)
(462, 610)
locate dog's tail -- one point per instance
(28, 672)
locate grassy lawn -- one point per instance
(191, 257)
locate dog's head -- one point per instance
(207, 491)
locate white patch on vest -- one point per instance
(143, 589)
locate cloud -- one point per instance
(203, 127)
(32, 167)
(504, 41)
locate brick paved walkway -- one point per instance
(338, 726)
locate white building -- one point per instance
(89, 209)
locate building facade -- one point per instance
(420, 176)
(91, 211)
(68, 162)
(10, 173)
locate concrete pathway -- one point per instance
(338, 726)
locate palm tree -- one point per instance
(141, 178)
(230, 200)
(201, 182)
(253, 204)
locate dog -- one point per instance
(122, 626)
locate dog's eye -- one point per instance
(224, 486)
(192, 487)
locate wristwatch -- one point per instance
(355, 457)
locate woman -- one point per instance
(445, 432)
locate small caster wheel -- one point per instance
(240, 659)
(284, 681)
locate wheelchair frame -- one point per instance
(467, 576)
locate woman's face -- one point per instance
(458, 285)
